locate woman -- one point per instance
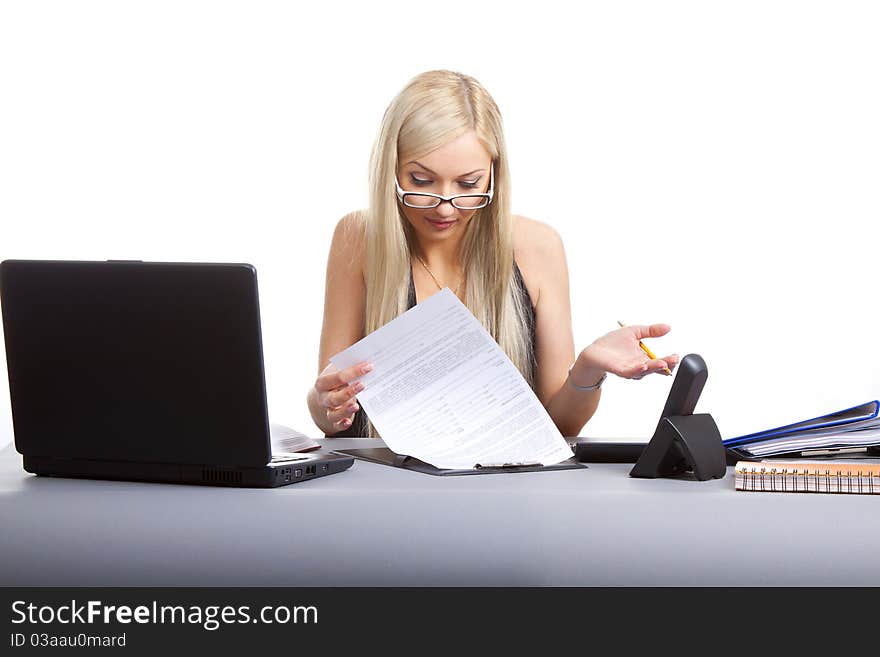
(439, 216)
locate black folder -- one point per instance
(385, 456)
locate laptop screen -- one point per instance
(158, 362)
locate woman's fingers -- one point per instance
(342, 416)
(659, 365)
(344, 395)
(637, 370)
(672, 361)
(634, 370)
(337, 390)
(652, 365)
(331, 379)
(650, 330)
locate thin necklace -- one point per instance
(436, 282)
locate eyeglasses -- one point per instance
(426, 200)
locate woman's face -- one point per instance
(459, 167)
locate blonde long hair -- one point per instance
(433, 109)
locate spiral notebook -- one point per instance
(808, 477)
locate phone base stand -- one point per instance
(683, 443)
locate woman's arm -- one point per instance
(571, 408)
(344, 307)
(544, 258)
(617, 352)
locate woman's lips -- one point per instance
(441, 225)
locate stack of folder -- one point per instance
(852, 428)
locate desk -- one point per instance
(378, 526)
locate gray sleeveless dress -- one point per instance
(358, 426)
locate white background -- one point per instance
(710, 165)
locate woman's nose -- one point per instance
(445, 209)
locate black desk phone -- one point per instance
(682, 442)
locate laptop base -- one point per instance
(282, 473)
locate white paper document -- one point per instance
(444, 392)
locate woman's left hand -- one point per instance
(619, 352)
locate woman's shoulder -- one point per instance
(537, 247)
(352, 227)
(350, 232)
(534, 240)
(349, 239)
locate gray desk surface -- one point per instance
(378, 526)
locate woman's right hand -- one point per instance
(336, 391)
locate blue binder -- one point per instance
(839, 424)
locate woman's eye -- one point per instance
(419, 181)
(469, 185)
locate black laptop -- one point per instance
(143, 371)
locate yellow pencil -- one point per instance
(647, 351)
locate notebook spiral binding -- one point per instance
(808, 478)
